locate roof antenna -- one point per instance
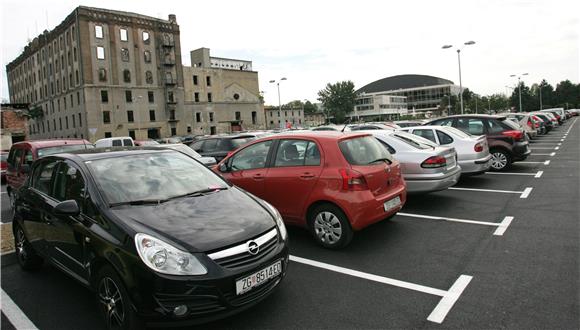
(345, 124)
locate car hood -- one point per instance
(200, 224)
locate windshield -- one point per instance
(64, 148)
(153, 176)
(364, 151)
(414, 140)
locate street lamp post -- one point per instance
(519, 86)
(468, 43)
(278, 84)
(540, 88)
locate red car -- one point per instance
(3, 163)
(22, 154)
(331, 183)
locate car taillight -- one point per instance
(530, 124)
(434, 162)
(537, 125)
(353, 180)
(478, 147)
(517, 135)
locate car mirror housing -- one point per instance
(69, 207)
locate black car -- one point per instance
(507, 141)
(159, 237)
(219, 146)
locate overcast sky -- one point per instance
(312, 43)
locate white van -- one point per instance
(122, 141)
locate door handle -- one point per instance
(306, 175)
(48, 220)
(258, 177)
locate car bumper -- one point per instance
(475, 165)
(370, 209)
(521, 150)
(419, 185)
(208, 299)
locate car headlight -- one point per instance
(278, 218)
(164, 258)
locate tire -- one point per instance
(27, 257)
(330, 227)
(500, 160)
(113, 301)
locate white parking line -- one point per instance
(438, 314)
(14, 314)
(503, 226)
(530, 163)
(534, 148)
(536, 175)
(551, 154)
(524, 194)
(547, 163)
(557, 148)
(431, 217)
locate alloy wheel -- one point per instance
(21, 251)
(112, 303)
(327, 227)
(498, 160)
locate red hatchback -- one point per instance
(329, 182)
(22, 154)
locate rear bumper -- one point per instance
(475, 166)
(423, 185)
(521, 151)
(370, 209)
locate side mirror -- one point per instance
(69, 207)
(223, 167)
(25, 168)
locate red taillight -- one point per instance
(530, 124)
(557, 117)
(517, 135)
(537, 125)
(478, 147)
(434, 162)
(353, 180)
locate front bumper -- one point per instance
(419, 185)
(210, 298)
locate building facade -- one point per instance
(422, 94)
(379, 106)
(13, 124)
(103, 73)
(222, 95)
(285, 118)
(314, 119)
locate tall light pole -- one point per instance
(278, 84)
(467, 43)
(519, 86)
(540, 88)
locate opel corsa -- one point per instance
(158, 236)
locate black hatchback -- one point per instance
(159, 237)
(219, 146)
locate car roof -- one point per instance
(52, 142)
(109, 152)
(320, 135)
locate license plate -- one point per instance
(258, 278)
(391, 204)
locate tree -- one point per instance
(449, 105)
(338, 99)
(529, 103)
(310, 108)
(36, 112)
(567, 94)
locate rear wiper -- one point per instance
(140, 202)
(380, 160)
(200, 192)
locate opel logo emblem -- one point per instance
(253, 248)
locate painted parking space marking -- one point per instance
(547, 163)
(550, 154)
(534, 148)
(523, 194)
(531, 163)
(503, 226)
(14, 314)
(535, 175)
(557, 148)
(448, 298)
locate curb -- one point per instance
(8, 258)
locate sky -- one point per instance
(312, 43)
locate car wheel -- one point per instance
(330, 227)
(27, 258)
(500, 160)
(113, 301)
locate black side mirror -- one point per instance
(223, 167)
(69, 207)
(25, 168)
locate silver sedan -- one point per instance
(426, 166)
(472, 151)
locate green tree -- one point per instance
(528, 101)
(310, 108)
(449, 105)
(338, 99)
(36, 112)
(567, 94)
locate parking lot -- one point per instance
(498, 250)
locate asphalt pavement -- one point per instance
(501, 251)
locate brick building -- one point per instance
(13, 124)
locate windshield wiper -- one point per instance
(140, 202)
(200, 192)
(380, 160)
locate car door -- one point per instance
(67, 235)
(14, 172)
(293, 174)
(34, 205)
(248, 168)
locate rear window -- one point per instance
(363, 151)
(414, 141)
(3, 157)
(510, 124)
(457, 132)
(64, 148)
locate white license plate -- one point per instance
(391, 204)
(258, 278)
